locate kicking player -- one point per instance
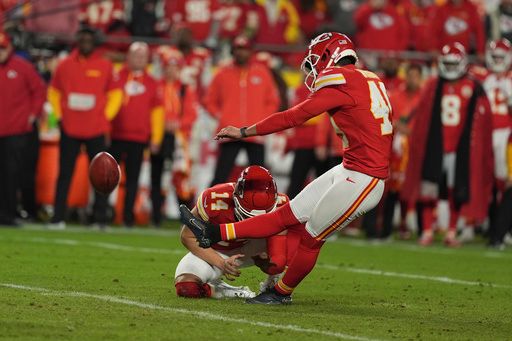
(198, 273)
(359, 109)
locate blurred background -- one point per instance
(192, 48)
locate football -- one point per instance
(104, 173)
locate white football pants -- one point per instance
(191, 264)
(334, 199)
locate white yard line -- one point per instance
(102, 245)
(420, 249)
(417, 248)
(412, 276)
(108, 230)
(120, 247)
(196, 313)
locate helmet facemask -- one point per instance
(308, 66)
(452, 66)
(498, 60)
(325, 51)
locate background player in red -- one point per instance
(197, 14)
(140, 121)
(102, 15)
(458, 21)
(497, 82)
(404, 99)
(359, 109)
(198, 273)
(451, 157)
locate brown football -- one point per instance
(104, 173)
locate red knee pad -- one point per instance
(193, 289)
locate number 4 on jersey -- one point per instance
(380, 107)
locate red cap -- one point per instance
(242, 42)
(4, 40)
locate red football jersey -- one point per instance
(232, 18)
(499, 92)
(216, 205)
(141, 95)
(360, 112)
(101, 14)
(197, 14)
(454, 108)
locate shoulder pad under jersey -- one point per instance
(282, 199)
(368, 74)
(329, 76)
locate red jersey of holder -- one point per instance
(216, 205)
(360, 112)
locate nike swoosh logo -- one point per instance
(193, 222)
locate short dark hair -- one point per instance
(346, 61)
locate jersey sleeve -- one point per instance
(202, 205)
(318, 102)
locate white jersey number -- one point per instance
(450, 110)
(380, 107)
(498, 102)
(219, 204)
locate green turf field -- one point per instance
(118, 285)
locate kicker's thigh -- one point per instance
(352, 195)
(304, 203)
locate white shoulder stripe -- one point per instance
(327, 80)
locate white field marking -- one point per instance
(441, 279)
(416, 248)
(108, 230)
(196, 313)
(112, 246)
(102, 245)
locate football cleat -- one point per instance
(200, 228)
(269, 282)
(270, 297)
(223, 290)
(452, 242)
(426, 240)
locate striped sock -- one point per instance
(260, 226)
(301, 264)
